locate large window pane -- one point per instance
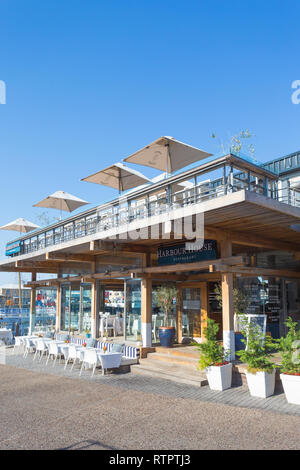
(86, 307)
(133, 310)
(65, 307)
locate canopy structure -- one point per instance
(167, 154)
(20, 225)
(118, 176)
(62, 201)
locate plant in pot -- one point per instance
(87, 333)
(240, 304)
(258, 352)
(164, 297)
(289, 347)
(213, 358)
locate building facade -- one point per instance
(223, 227)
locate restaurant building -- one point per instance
(207, 222)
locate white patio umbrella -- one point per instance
(167, 154)
(22, 226)
(118, 176)
(62, 201)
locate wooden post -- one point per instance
(204, 307)
(146, 300)
(179, 313)
(227, 303)
(32, 305)
(58, 308)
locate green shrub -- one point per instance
(289, 347)
(211, 351)
(259, 348)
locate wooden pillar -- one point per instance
(32, 305)
(94, 312)
(227, 303)
(204, 307)
(146, 300)
(58, 308)
(179, 313)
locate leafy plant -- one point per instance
(289, 347)
(238, 142)
(164, 297)
(259, 348)
(211, 351)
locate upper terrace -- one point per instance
(216, 177)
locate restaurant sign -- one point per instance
(13, 248)
(178, 254)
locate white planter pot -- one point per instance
(219, 377)
(291, 387)
(261, 384)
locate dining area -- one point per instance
(62, 350)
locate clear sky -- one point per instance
(91, 81)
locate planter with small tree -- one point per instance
(213, 358)
(289, 347)
(260, 371)
(164, 297)
(240, 305)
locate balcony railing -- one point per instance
(160, 198)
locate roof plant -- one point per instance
(289, 347)
(211, 351)
(259, 348)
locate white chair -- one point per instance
(72, 354)
(54, 352)
(41, 348)
(29, 345)
(110, 361)
(136, 328)
(19, 342)
(90, 358)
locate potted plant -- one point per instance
(88, 333)
(240, 305)
(289, 347)
(260, 371)
(213, 358)
(164, 297)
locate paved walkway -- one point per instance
(45, 408)
(235, 396)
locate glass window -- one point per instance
(86, 307)
(75, 308)
(133, 309)
(65, 307)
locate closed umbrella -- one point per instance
(118, 176)
(167, 154)
(22, 226)
(62, 201)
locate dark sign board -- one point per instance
(178, 254)
(13, 248)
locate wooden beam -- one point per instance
(85, 258)
(198, 266)
(259, 271)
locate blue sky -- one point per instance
(89, 82)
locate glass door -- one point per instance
(133, 320)
(194, 310)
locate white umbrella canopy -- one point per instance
(62, 201)
(20, 225)
(118, 176)
(167, 154)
